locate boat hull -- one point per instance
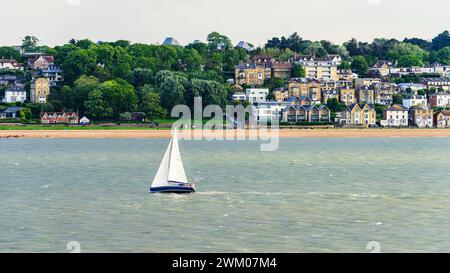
(172, 189)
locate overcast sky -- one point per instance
(150, 21)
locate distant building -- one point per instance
(356, 115)
(41, 62)
(171, 41)
(321, 69)
(40, 90)
(381, 68)
(267, 112)
(84, 121)
(239, 96)
(53, 74)
(437, 83)
(411, 101)
(329, 94)
(442, 119)
(14, 94)
(10, 64)
(281, 70)
(11, 79)
(440, 99)
(257, 94)
(366, 95)
(305, 87)
(421, 116)
(296, 112)
(11, 112)
(345, 75)
(395, 116)
(59, 117)
(410, 87)
(251, 74)
(347, 96)
(280, 94)
(366, 82)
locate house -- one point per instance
(14, 94)
(10, 64)
(345, 75)
(7, 79)
(41, 62)
(381, 68)
(281, 70)
(251, 74)
(11, 112)
(40, 90)
(421, 116)
(437, 83)
(440, 99)
(267, 112)
(53, 74)
(280, 93)
(442, 119)
(305, 87)
(356, 115)
(415, 100)
(335, 85)
(366, 82)
(312, 113)
(395, 116)
(347, 96)
(365, 95)
(239, 96)
(384, 92)
(410, 88)
(329, 94)
(59, 117)
(171, 41)
(84, 121)
(317, 68)
(257, 94)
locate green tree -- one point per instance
(171, 88)
(397, 99)
(79, 62)
(151, 106)
(25, 114)
(214, 39)
(30, 43)
(9, 52)
(360, 66)
(114, 97)
(334, 105)
(298, 71)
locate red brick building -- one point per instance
(59, 117)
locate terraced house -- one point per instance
(347, 96)
(301, 110)
(421, 116)
(310, 88)
(395, 116)
(358, 116)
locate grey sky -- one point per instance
(150, 21)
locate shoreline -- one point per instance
(283, 133)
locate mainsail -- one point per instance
(171, 168)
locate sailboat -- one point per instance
(171, 177)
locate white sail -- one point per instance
(161, 178)
(176, 169)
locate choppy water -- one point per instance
(312, 195)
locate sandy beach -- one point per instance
(284, 133)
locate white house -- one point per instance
(257, 94)
(239, 96)
(269, 111)
(10, 64)
(414, 87)
(84, 121)
(15, 94)
(395, 116)
(415, 101)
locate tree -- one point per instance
(9, 52)
(74, 97)
(151, 106)
(171, 88)
(334, 105)
(113, 97)
(25, 114)
(140, 76)
(441, 56)
(298, 71)
(407, 53)
(79, 62)
(215, 39)
(29, 43)
(359, 65)
(397, 99)
(212, 93)
(345, 65)
(441, 41)
(410, 60)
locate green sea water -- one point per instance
(311, 195)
